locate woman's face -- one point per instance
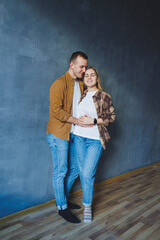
(90, 78)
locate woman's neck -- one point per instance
(92, 89)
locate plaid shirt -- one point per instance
(105, 110)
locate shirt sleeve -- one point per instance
(108, 113)
(57, 102)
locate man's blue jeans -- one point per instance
(88, 152)
(64, 172)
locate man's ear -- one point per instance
(71, 65)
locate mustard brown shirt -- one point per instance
(60, 108)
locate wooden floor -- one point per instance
(128, 208)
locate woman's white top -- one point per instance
(87, 107)
(75, 101)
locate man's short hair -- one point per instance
(76, 54)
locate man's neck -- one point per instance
(72, 74)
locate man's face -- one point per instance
(78, 67)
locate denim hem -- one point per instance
(63, 207)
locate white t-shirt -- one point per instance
(87, 107)
(75, 101)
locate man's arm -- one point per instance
(74, 120)
(56, 101)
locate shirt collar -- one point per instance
(85, 92)
(69, 77)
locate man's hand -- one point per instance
(78, 121)
(83, 124)
(86, 119)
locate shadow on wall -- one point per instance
(108, 167)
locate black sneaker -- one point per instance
(68, 216)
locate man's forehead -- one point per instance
(81, 60)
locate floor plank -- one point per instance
(125, 209)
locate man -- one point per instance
(65, 94)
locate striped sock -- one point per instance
(87, 218)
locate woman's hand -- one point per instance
(86, 119)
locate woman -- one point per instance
(96, 110)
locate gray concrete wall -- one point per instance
(37, 37)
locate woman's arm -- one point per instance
(107, 115)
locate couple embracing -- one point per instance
(79, 112)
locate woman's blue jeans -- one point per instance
(88, 152)
(64, 169)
